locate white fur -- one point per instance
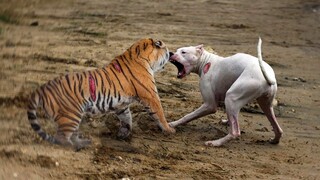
(236, 80)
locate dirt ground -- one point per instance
(42, 39)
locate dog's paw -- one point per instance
(274, 141)
(224, 121)
(215, 143)
(173, 124)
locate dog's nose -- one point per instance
(171, 54)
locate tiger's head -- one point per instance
(154, 52)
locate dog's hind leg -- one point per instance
(232, 108)
(265, 103)
(236, 97)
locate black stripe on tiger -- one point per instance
(47, 102)
(125, 58)
(138, 51)
(68, 96)
(141, 84)
(79, 87)
(102, 87)
(144, 68)
(103, 91)
(68, 81)
(119, 97)
(78, 76)
(61, 101)
(135, 89)
(84, 74)
(35, 127)
(123, 73)
(117, 78)
(80, 100)
(64, 103)
(111, 84)
(67, 125)
(31, 115)
(130, 55)
(110, 104)
(145, 45)
(52, 94)
(74, 119)
(98, 103)
(108, 96)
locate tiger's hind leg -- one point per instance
(63, 139)
(125, 118)
(67, 125)
(79, 143)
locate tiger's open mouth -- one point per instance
(180, 67)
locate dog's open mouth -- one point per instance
(180, 67)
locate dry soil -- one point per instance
(42, 39)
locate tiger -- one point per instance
(128, 78)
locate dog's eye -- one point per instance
(183, 52)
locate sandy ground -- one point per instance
(40, 40)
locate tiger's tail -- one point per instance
(34, 103)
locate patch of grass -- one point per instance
(7, 16)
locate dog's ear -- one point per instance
(199, 49)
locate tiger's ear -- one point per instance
(199, 49)
(159, 44)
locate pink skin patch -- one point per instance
(117, 67)
(206, 68)
(92, 87)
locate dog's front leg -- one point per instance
(203, 110)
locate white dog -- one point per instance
(236, 80)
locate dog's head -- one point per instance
(186, 59)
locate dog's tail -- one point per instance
(269, 79)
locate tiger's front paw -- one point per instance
(170, 130)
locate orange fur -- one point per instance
(128, 77)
